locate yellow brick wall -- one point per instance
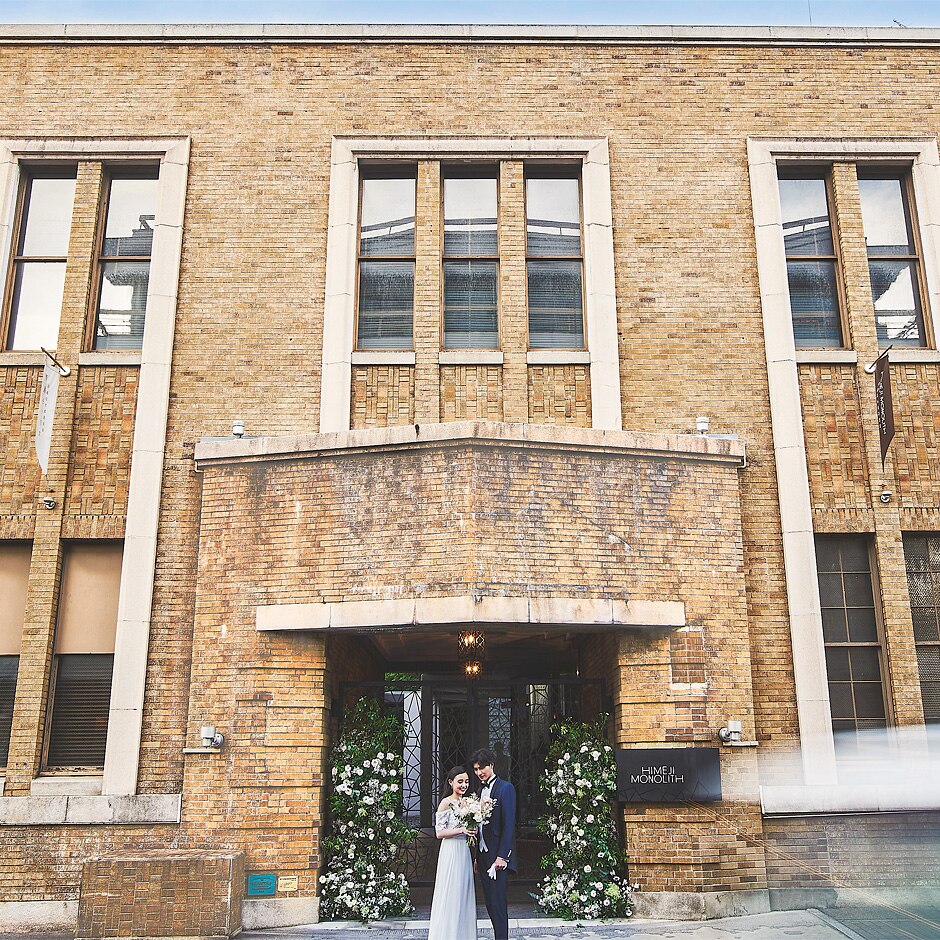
(248, 345)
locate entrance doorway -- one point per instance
(445, 719)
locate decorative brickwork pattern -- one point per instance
(103, 437)
(20, 476)
(835, 451)
(162, 894)
(560, 395)
(471, 392)
(916, 448)
(383, 396)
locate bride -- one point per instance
(454, 906)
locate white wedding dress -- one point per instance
(454, 906)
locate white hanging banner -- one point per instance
(46, 413)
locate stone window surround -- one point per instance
(339, 300)
(136, 593)
(809, 667)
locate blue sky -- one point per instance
(911, 13)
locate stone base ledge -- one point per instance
(279, 912)
(699, 905)
(139, 810)
(37, 916)
(798, 899)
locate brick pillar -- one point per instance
(32, 685)
(901, 675)
(514, 321)
(427, 320)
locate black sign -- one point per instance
(884, 404)
(668, 775)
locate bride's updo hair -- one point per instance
(452, 775)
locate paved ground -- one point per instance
(868, 923)
(854, 923)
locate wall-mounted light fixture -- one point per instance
(238, 428)
(210, 737)
(701, 424)
(730, 735)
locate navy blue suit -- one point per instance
(499, 834)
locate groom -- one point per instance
(496, 841)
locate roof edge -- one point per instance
(470, 33)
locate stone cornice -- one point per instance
(696, 447)
(107, 33)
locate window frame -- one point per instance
(465, 169)
(71, 769)
(880, 643)
(807, 170)
(111, 170)
(918, 644)
(555, 169)
(339, 355)
(903, 172)
(28, 171)
(373, 170)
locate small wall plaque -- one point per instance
(261, 884)
(668, 775)
(287, 883)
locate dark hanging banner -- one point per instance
(883, 403)
(668, 775)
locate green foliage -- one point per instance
(367, 828)
(584, 869)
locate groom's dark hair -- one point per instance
(483, 756)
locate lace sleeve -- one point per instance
(443, 821)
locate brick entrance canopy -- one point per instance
(469, 508)
(418, 530)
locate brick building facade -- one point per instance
(470, 290)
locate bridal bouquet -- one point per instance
(472, 812)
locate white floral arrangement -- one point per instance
(367, 831)
(585, 867)
(473, 811)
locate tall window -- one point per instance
(893, 261)
(84, 654)
(386, 257)
(922, 556)
(124, 259)
(812, 262)
(41, 242)
(553, 258)
(850, 633)
(14, 574)
(471, 258)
